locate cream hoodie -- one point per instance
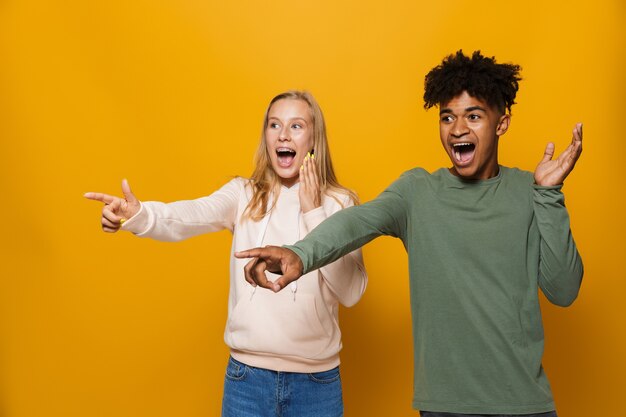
(295, 330)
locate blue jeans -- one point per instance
(258, 392)
(437, 414)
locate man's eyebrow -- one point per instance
(472, 108)
(467, 109)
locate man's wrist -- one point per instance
(300, 257)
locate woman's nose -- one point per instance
(284, 134)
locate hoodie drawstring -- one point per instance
(293, 286)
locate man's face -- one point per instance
(469, 129)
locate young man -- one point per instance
(481, 238)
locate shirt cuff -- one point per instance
(547, 187)
(138, 224)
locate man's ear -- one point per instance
(503, 124)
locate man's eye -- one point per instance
(446, 119)
(473, 117)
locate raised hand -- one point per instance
(309, 191)
(554, 171)
(116, 210)
(273, 259)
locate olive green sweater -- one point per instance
(478, 252)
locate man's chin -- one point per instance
(465, 172)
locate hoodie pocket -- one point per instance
(276, 324)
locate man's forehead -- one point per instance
(464, 101)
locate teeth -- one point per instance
(457, 149)
(285, 150)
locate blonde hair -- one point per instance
(264, 180)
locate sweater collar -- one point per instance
(459, 182)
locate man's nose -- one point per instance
(459, 128)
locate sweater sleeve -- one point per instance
(560, 265)
(353, 227)
(346, 277)
(184, 219)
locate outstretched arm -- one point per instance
(341, 233)
(170, 221)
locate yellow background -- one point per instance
(171, 94)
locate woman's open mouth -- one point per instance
(285, 156)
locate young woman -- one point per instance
(284, 346)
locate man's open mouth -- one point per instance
(285, 156)
(463, 152)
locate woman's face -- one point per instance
(288, 137)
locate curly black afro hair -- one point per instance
(479, 75)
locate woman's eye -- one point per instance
(274, 125)
(296, 126)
